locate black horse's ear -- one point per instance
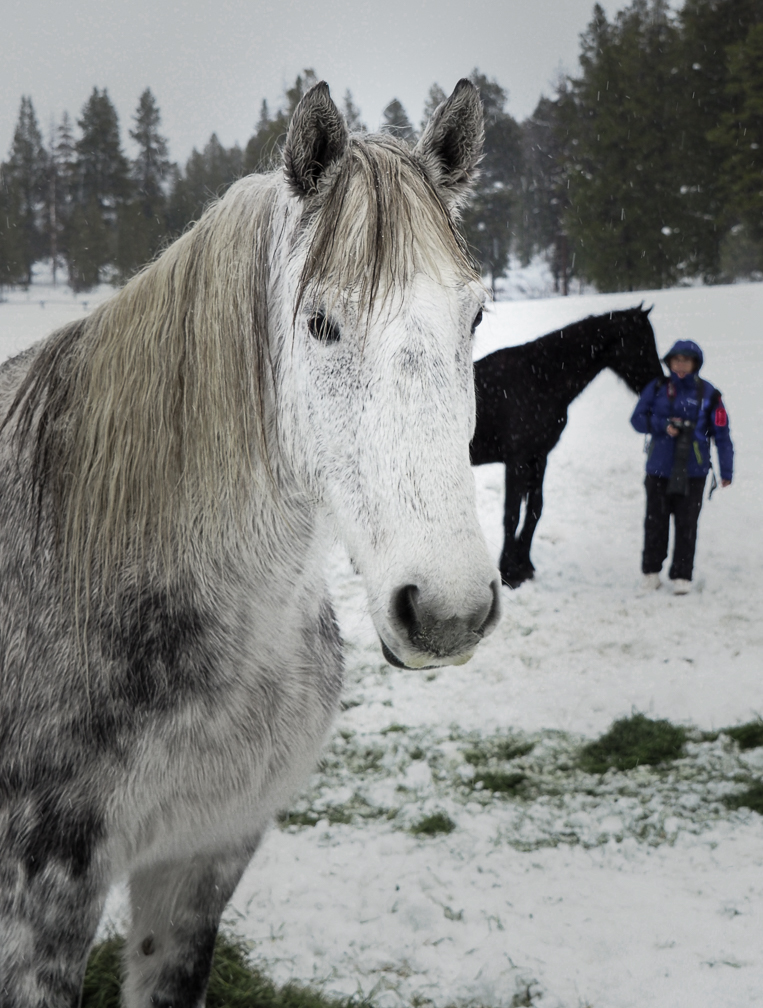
(451, 146)
(317, 138)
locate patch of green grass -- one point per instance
(433, 824)
(752, 798)
(506, 749)
(233, 982)
(394, 727)
(355, 810)
(497, 749)
(705, 736)
(103, 979)
(499, 781)
(631, 742)
(335, 814)
(369, 759)
(748, 735)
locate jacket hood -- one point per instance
(689, 349)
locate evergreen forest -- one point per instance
(642, 170)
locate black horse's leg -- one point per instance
(537, 471)
(515, 491)
(176, 910)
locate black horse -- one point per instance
(522, 397)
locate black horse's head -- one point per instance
(630, 349)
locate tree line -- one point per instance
(642, 170)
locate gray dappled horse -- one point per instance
(172, 471)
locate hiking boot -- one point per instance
(681, 586)
(651, 582)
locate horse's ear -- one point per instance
(317, 138)
(451, 146)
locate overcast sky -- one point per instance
(210, 63)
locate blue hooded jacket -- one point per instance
(690, 398)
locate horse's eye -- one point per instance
(477, 320)
(322, 328)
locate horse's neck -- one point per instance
(577, 359)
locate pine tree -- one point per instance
(103, 171)
(263, 147)
(25, 179)
(436, 96)
(142, 220)
(102, 187)
(352, 114)
(395, 120)
(630, 226)
(739, 137)
(502, 160)
(547, 147)
(708, 28)
(207, 175)
(12, 265)
(489, 221)
(294, 95)
(137, 238)
(60, 189)
(88, 246)
(149, 170)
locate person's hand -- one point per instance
(725, 483)
(673, 431)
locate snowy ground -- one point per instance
(632, 890)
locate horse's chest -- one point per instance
(224, 750)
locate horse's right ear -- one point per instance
(317, 138)
(451, 147)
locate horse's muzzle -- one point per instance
(430, 640)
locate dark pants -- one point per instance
(685, 510)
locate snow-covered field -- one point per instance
(632, 890)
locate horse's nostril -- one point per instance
(405, 608)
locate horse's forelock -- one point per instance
(378, 221)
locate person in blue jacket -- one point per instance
(681, 413)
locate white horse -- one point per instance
(172, 472)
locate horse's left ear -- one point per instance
(451, 146)
(317, 137)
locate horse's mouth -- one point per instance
(392, 659)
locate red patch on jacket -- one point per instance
(721, 417)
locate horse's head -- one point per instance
(631, 351)
(374, 370)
